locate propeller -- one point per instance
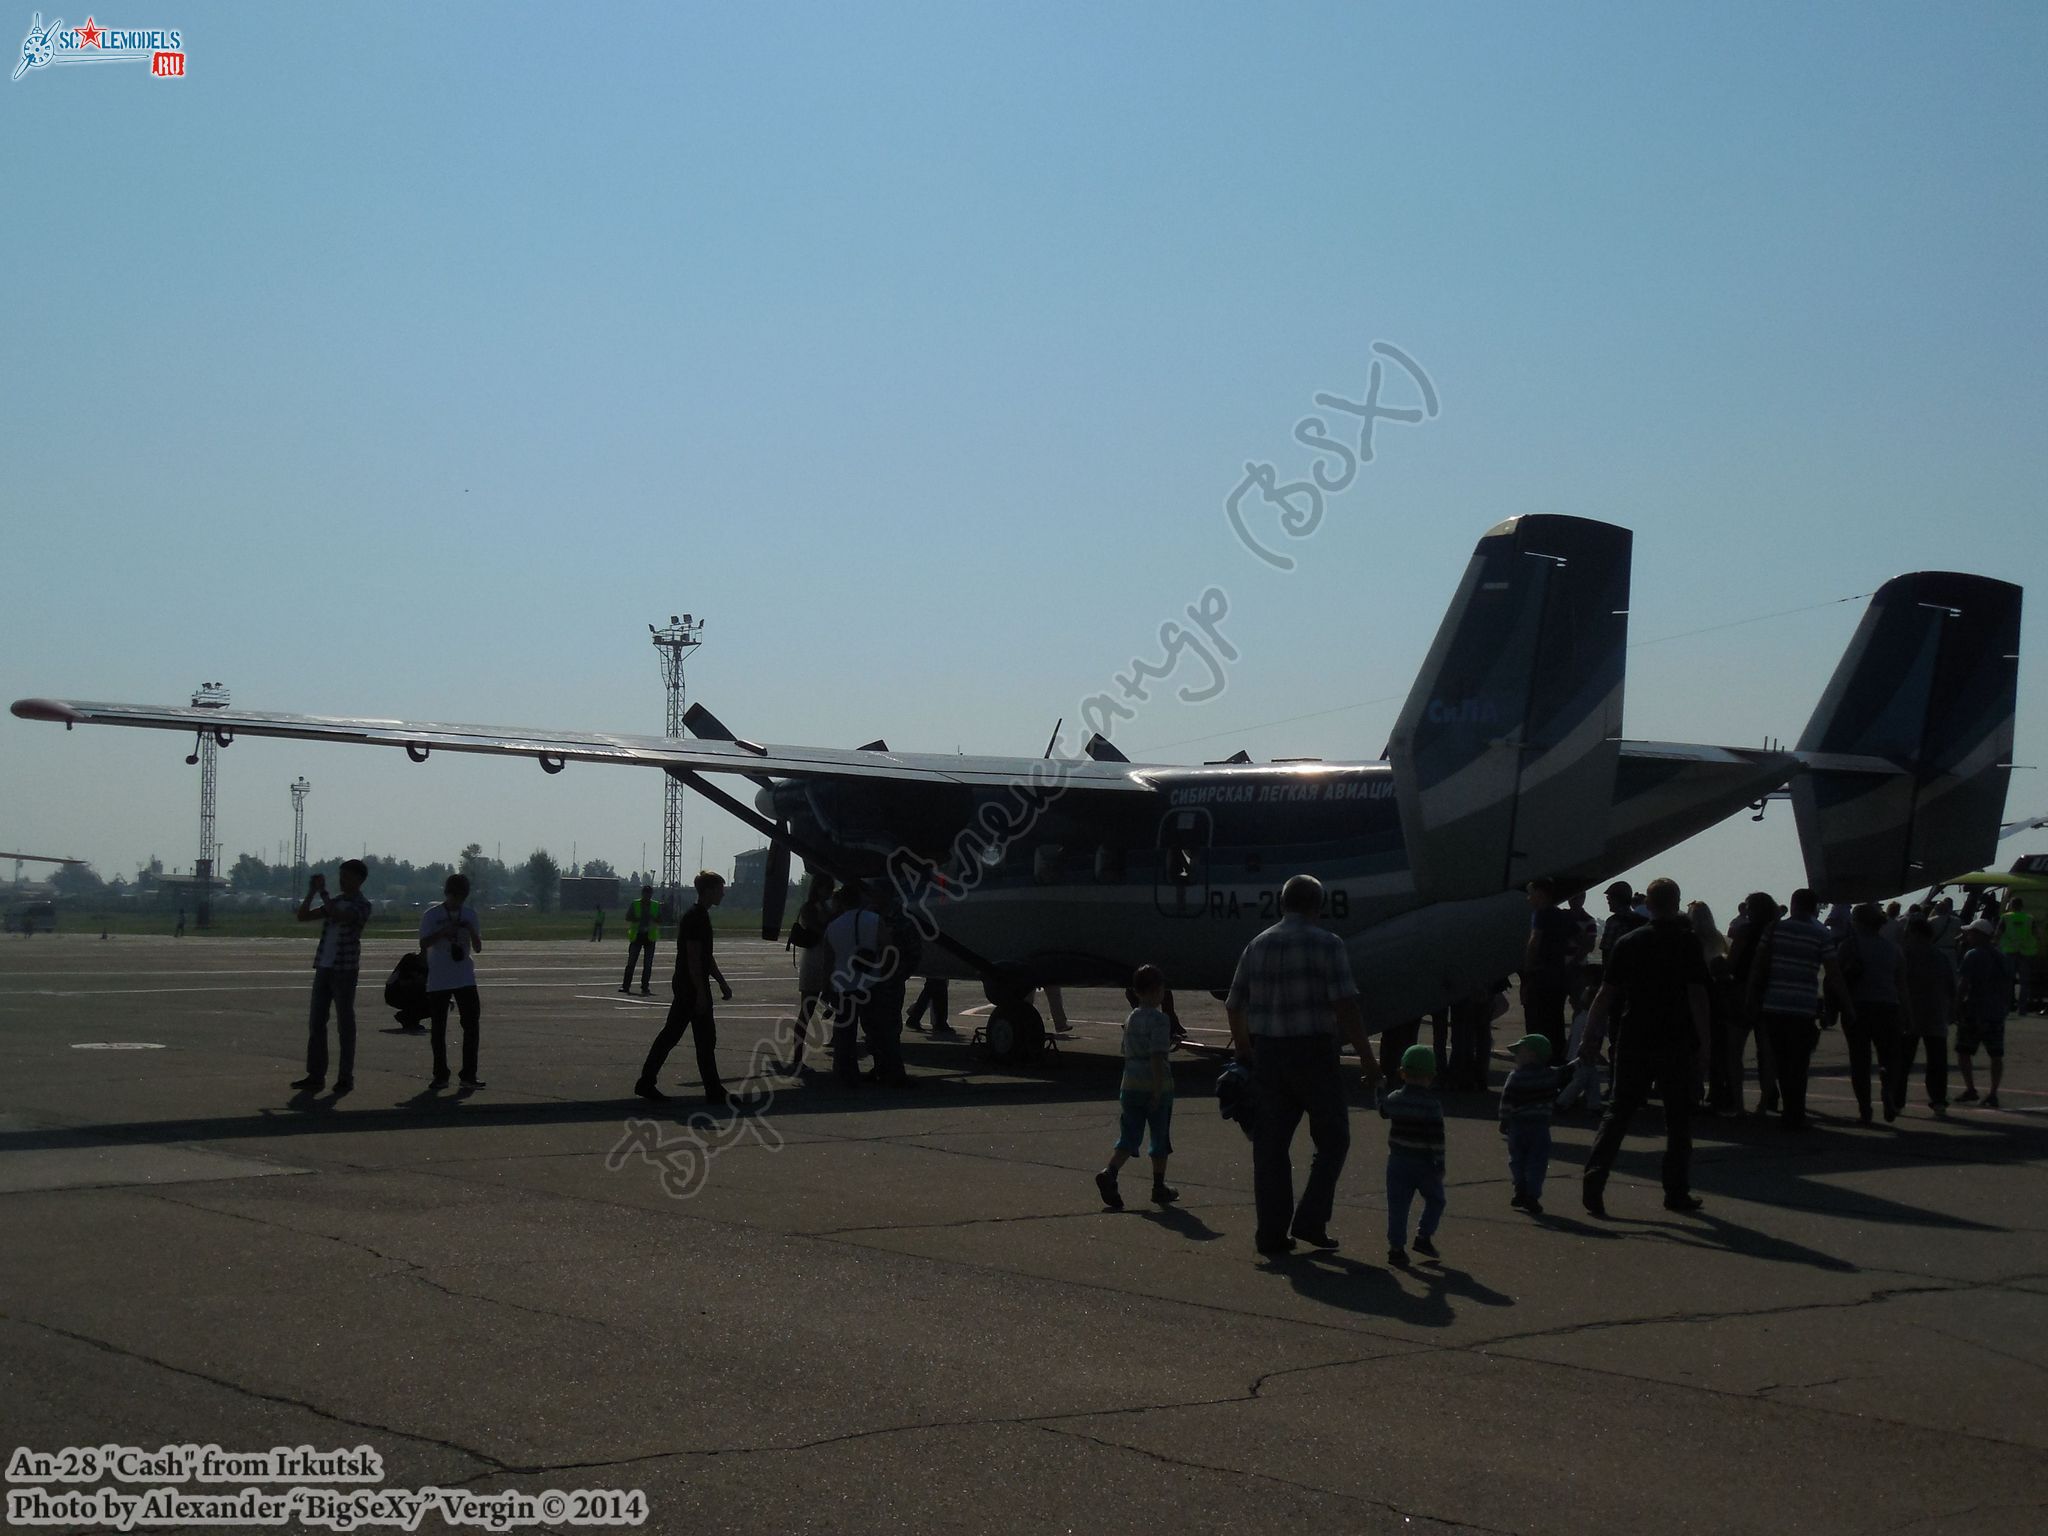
(776, 897)
(706, 726)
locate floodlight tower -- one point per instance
(682, 636)
(207, 696)
(300, 789)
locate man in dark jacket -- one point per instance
(1660, 972)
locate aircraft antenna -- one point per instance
(682, 635)
(207, 696)
(300, 789)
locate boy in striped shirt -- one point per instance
(1526, 1100)
(1415, 1155)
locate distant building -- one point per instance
(749, 879)
(587, 893)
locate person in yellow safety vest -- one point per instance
(643, 926)
(2020, 944)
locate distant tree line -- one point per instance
(393, 882)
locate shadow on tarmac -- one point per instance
(1351, 1285)
(1741, 1159)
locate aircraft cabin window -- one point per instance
(1109, 865)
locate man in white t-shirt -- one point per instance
(451, 939)
(868, 984)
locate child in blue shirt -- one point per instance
(1415, 1155)
(1526, 1100)
(1145, 1096)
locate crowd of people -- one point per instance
(1653, 1001)
(1657, 994)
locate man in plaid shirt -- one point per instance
(335, 964)
(1291, 996)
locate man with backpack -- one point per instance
(872, 959)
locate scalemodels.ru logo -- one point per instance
(162, 48)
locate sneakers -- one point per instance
(1427, 1248)
(1533, 1206)
(626, 989)
(1521, 1200)
(309, 1085)
(344, 1085)
(472, 1082)
(1319, 1238)
(1162, 1195)
(1397, 1258)
(1105, 1184)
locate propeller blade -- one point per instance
(776, 897)
(704, 725)
(1100, 749)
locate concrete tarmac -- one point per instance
(874, 1310)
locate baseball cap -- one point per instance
(1420, 1060)
(1540, 1044)
(1983, 926)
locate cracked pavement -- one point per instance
(912, 1314)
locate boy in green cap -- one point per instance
(1415, 1154)
(1526, 1100)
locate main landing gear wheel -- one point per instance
(1015, 1034)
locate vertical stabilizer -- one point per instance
(1924, 696)
(1505, 753)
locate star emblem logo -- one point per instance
(89, 34)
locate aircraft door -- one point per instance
(1180, 887)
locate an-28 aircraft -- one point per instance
(1507, 762)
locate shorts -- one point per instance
(1138, 1113)
(1989, 1033)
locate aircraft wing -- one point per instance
(554, 749)
(1992, 879)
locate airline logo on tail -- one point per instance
(1463, 712)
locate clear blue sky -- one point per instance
(408, 360)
